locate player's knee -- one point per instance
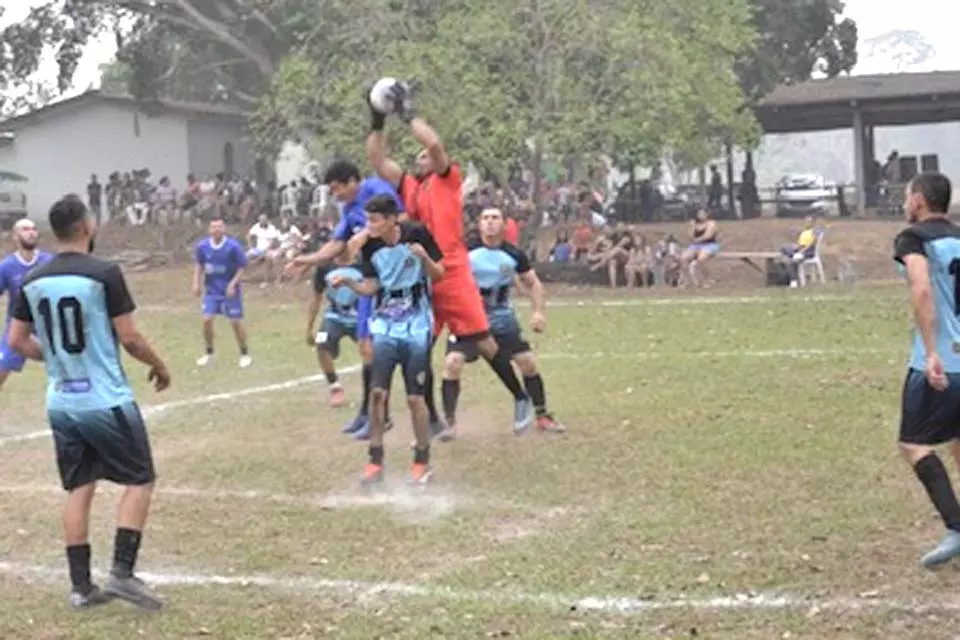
(488, 347)
(416, 404)
(527, 363)
(366, 351)
(914, 453)
(378, 397)
(452, 366)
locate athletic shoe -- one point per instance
(355, 425)
(204, 360)
(419, 475)
(449, 433)
(523, 415)
(948, 549)
(134, 591)
(548, 424)
(436, 429)
(245, 361)
(337, 397)
(364, 432)
(93, 598)
(372, 475)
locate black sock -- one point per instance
(332, 377)
(78, 557)
(935, 480)
(367, 376)
(126, 546)
(209, 351)
(450, 394)
(244, 351)
(537, 393)
(501, 365)
(421, 456)
(429, 397)
(376, 455)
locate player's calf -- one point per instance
(373, 472)
(533, 382)
(450, 392)
(420, 470)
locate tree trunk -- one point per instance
(731, 193)
(537, 172)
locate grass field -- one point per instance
(730, 472)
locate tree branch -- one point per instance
(222, 33)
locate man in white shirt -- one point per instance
(262, 239)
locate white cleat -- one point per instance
(245, 361)
(204, 360)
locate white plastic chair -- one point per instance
(814, 263)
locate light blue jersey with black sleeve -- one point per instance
(341, 302)
(938, 240)
(495, 269)
(71, 302)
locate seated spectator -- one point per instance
(703, 246)
(165, 201)
(562, 249)
(284, 248)
(639, 268)
(803, 249)
(261, 238)
(613, 252)
(582, 240)
(666, 262)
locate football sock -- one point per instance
(933, 475)
(450, 394)
(537, 393)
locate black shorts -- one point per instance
(927, 416)
(109, 444)
(510, 342)
(411, 354)
(331, 333)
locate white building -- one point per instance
(58, 147)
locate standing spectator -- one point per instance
(715, 195)
(95, 197)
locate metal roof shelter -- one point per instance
(862, 103)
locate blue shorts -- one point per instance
(10, 360)
(711, 248)
(411, 353)
(364, 313)
(231, 307)
(927, 416)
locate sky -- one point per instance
(874, 17)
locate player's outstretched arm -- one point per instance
(378, 158)
(429, 139)
(23, 341)
(327, 252)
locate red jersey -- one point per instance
(437, 202)
(512, 232)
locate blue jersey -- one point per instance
(403, 301)
(938, 240)
(353, 218)
(220, 263)
(495, 270)
(341, 301)
(13, 269)
(71, 302)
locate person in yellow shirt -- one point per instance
(804, 248)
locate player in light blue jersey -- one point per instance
(929, 250)
(74, 313)
(219, 262)
(399, 262)
(343, 179)
(497, 265)
(13, 269)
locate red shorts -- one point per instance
(457, 305)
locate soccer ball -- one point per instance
(380, 95)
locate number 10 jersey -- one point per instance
(938, 240)
(71, 302)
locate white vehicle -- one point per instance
(13, 201)
(804, 194)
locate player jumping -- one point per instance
(343, 179)
(399, 262)
(929, 250)
(219, 263)
(435, 199)
(81, 311)
(339, 319)
(13, 269)
(496, 265)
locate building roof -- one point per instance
(864, 88)
(895, 99)
(187, 109)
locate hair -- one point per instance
(66, 216)
(217, 217)
(340, 171)
(935, 189)
(384, 205)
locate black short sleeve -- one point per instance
(320, 279)
(21, 309)
(424, 238)
(119, 300)
(367, 269)
(908, 242)
(518, 254)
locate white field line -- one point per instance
(157, 409)
(596, 604)
(680, 355)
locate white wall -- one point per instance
(59, 152)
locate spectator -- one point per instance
(562, 249)
(583, 239)
(804, 248)
(704, 245)
(639, 268)
(261, 238)
(95, 196)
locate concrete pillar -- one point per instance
(860, 169)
